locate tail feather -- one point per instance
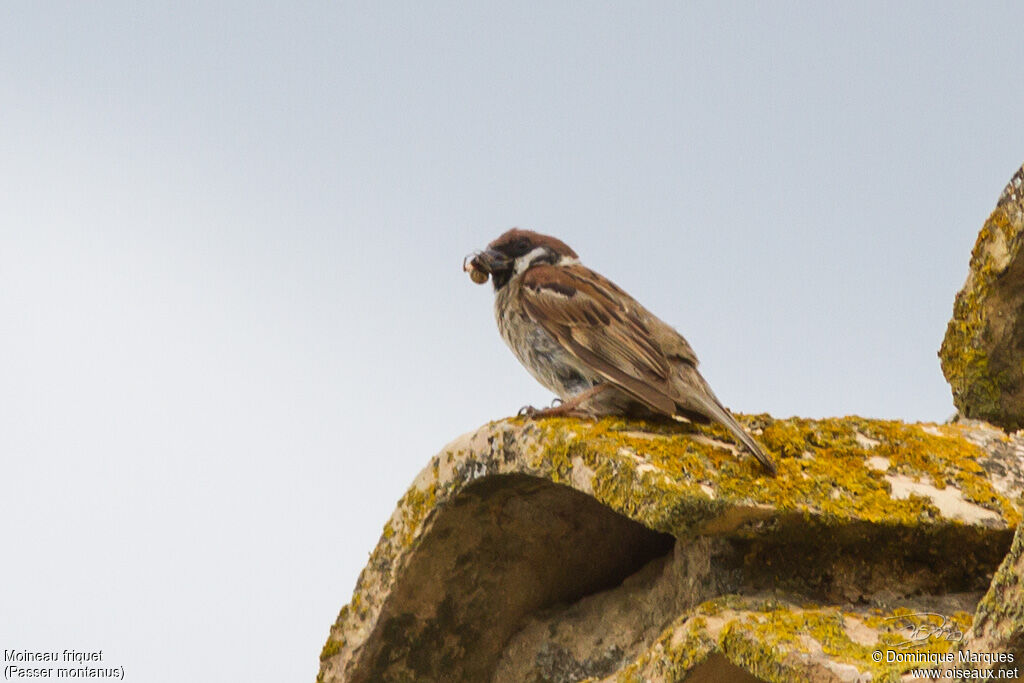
(719, 414)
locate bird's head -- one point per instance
(514, 253)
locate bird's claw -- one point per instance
(527, 411)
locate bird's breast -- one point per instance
(539, 352)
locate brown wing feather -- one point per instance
(607, 333)
(630, 347)
(672, 344)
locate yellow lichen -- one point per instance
(674, 478)
(331, 648)
(822, 468)
(977, 385)
(778, 641)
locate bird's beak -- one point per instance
(487, 261)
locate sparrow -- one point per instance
(591, 343)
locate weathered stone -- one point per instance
(999, 623)
(566, 550)
(983, 350)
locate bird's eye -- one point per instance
(522, 244)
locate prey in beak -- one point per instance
(480, 264)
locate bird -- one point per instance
(590, 343)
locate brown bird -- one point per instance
(591, 343)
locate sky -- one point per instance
(233, 321)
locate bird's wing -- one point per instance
(604, 327)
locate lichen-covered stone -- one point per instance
(564, 550)
(774, 640)
(983, 350)
(999, 623)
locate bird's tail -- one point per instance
(719, 414)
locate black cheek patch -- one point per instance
(500, 278)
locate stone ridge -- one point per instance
(524, 548)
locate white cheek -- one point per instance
(526, 260)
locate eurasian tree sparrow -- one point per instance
(589, 342)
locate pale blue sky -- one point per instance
(234, 327)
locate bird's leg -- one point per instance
(568, 408)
